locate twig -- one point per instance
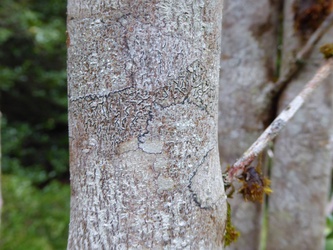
(314, 38)
(272, 131)
(273, 88)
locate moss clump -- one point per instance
(327, 50)
(231, 234)
(255, 185)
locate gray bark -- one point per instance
(143, 80)
(247, 63)
(303, 156)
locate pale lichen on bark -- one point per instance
(143, 120)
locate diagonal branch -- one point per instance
(276, 126)
(273, 89)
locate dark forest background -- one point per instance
(33, 102)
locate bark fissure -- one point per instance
(194, 195)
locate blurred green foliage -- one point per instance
(33, 101)
(33, 89)
(329, 232)
(34, 218)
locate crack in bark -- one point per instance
(98, 96)
(149, 119)
(194, 195)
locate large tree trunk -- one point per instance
(247, 64)
(143, 80)
(303, 154)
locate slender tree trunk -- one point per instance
(143, 81)
(303, 154)
(247, 64)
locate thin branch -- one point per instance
(276, 126)
(302, 54)
(274, 88)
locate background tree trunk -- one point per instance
(303, 153)
(249, 42)
(143, 80)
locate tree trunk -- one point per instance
(303, 155)
(143, 81)
(247, 64)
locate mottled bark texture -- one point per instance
(247, 64)
(143, 83)
(303, 155)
